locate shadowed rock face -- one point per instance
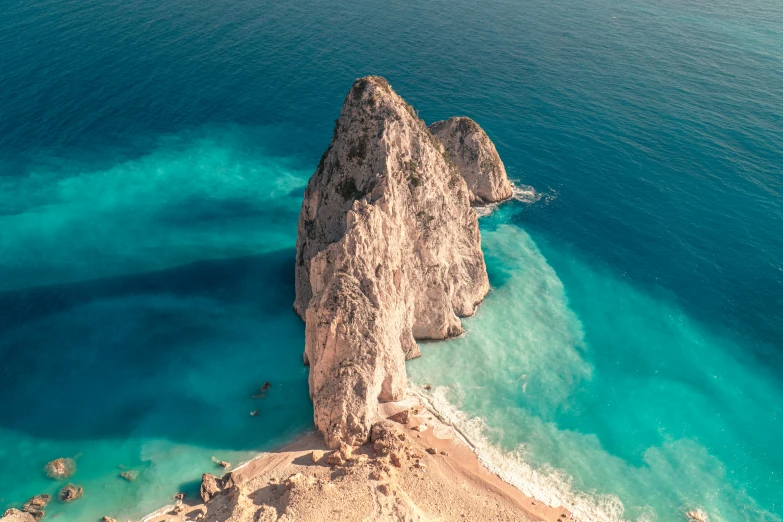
(388, 251)
(476, 158)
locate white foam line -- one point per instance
(521, 193)
(552, 489)
(162, 511)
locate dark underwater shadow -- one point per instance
(175, 354)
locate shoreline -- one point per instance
(433, 487)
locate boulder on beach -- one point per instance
(60, 468)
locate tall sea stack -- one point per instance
(388, 251)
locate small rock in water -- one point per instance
(180, 496)
(254, 413)
(130, 476)
(266, 386)
(427, 387)
(108, 519)
(60, 468)
(224, 464)
(70, 492)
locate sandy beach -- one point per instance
(433, 475)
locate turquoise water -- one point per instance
(627, 362)
(572, 381)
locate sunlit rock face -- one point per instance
(388, 251)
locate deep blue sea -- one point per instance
(628, 362)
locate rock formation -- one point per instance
(60, 468)
(210, 486)
(14, 515)
(476, 158)
(70, 492)
(35, 506)
(388, 251)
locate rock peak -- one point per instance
(388, 251)
(476, 158)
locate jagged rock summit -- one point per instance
(476, 158)
(388, 251)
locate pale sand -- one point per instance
(287, 485)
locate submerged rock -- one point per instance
(60, 468)
(130, 475)
(70, 492)
(388, 251)
(697, 515)
(476, 158)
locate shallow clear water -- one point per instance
(152, 160)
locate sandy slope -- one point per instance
(287, 485)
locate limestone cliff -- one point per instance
(476, 158)
(388, 251)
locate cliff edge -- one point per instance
(388, 251)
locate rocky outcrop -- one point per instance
(14, 515)
(210, 486)
(476, 158)
(388, 251)
(70, 492)
(35, 506)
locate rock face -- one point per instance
(210, 486)
(388, 251)
(476, 158)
